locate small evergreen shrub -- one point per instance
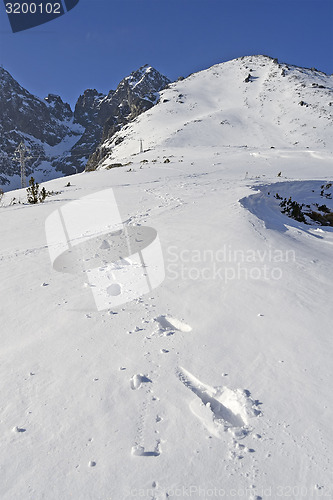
(114, 165)
(33, 191)
(34, 194)
(323, 216)
(324, 208)
(326, 187)
(291, 208)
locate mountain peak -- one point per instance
(4, 73)
(252, 101)
(146, 80)
(60, 109)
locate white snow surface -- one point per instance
(216, 107)
(216, 383)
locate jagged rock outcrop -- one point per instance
(59, 109)
(135, 94)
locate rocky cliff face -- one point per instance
(135, 94)
(61, 141)
(89, 115)
(42, 125)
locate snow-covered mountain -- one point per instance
(46, 126)
(213, 383)
(61, 141)
(250, 102)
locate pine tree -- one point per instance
(33, 194)
(32, 191)
(42, 195)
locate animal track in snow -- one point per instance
(239, 450)
(220, 408)
(168, 323)
(137, 380)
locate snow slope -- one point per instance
(213, 385)
(281, 106)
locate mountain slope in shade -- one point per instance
(61, 141)
(46, 126)
(249, 102)
(134, 95)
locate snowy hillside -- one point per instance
(215, 382)
(279, 106)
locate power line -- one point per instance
(54, 158)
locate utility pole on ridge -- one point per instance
(20, 155)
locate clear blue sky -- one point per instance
(100, 41)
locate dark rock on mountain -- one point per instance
(88, 106)
(19, 109)
(61, 110)
(135, 94)
(90, 113)
(41, 124)
(60, 141)
(104, 115)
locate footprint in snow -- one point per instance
(139, 451)
(137, 380)
(220, 408)
(18, 429)
(168, 323)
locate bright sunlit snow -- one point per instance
(218, 381)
